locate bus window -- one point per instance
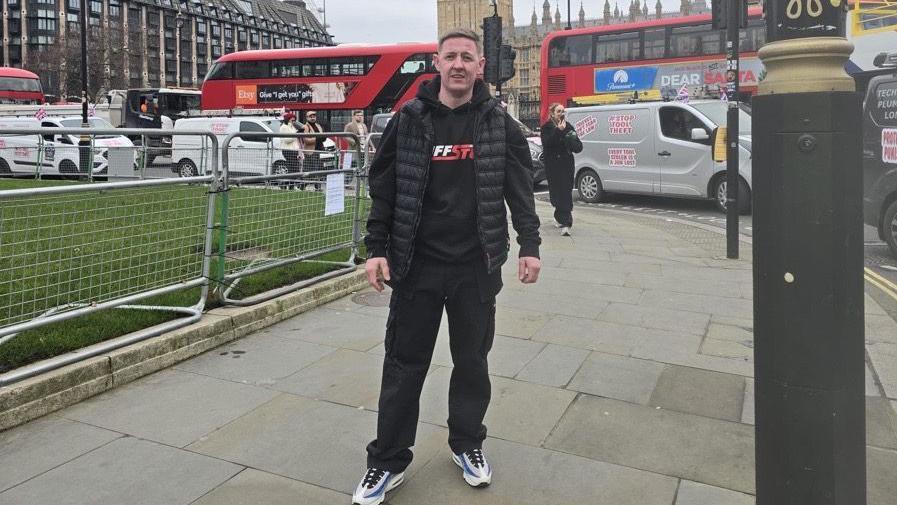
(416, 64)
(690, 41)
(655, 43)
(314, 68)
(575, 50)
(352, 65)
(19, 84)
(711, 41)
(286, 68)
(253, 69)
(617, 47)
(221, 71)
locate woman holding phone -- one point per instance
(559, 143)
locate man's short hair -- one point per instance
(463, 33)
(357, 111)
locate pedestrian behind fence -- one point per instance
(313, 146)
(559, 143)
(356, 126)
(289, 146)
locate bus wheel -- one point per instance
(4, 167)
(890, 227)
(719, 189)
(589, 185)
(186, 168)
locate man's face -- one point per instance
(458, 63)
(311, 117)
(359, 118)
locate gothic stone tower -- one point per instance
(470, 13)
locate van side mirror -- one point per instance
(699, 134)
(48, 138)
(64, 139)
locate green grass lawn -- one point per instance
(99, 245)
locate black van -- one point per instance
(880, 152)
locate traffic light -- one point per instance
(719, 10)
(719, 14)
(492, 48)
(506, 63)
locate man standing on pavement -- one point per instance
(438, 234)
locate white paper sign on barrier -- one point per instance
(336, 195)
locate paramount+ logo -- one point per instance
(452, 152)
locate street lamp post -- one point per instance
(84, 142)
(569, 26)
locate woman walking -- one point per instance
(559, 143)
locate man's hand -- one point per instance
(528, 269)
(376, 269)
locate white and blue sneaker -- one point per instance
(477, 471)
(374, 485)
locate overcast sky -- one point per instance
(415, 20)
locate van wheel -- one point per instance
(68, 167)
(889, 225)
(589, 185)
(4, 167)
(719, 189)
(186, 168)
(280, 168)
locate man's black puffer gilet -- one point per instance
(414, 148)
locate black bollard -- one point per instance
(808, 268)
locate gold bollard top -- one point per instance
(813, 64)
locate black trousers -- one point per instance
(559, 172)
(292, 160)
(414, 316)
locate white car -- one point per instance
(115, 150)
(48, 154)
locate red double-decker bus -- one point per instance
(330, 80)
(585, 65)
(19, 86)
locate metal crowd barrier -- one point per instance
(72, 250)
(110, 156)
(296, 210)
(69, 251)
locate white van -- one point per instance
(657, 148)
(249, 156)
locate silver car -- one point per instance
(657, 148)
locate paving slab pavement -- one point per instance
(624, 377)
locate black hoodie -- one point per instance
(398, 188)
(448, 223)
